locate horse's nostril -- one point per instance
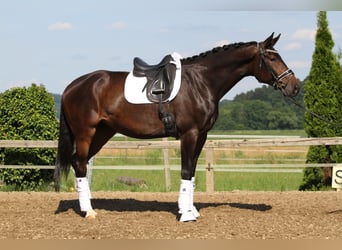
(296, 89)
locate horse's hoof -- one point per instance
(91, 214)
(187, 216)
(195, 212)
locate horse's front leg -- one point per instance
(191, 146)
(79, 164)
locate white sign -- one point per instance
(337, 176)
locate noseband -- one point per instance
(277, 80)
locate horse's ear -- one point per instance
(270, 41)
(275, 40)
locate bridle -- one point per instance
(277, 80)
(279, 84)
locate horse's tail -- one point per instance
(64, 151)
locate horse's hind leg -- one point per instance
(85, 149)
(102, 135)
(79, 163)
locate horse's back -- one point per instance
(94, 82)
(92, 91)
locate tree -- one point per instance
(27, 114)
(261, 108)
(256, 113)
(322, 96)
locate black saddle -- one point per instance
(160, 80)
(160, 77)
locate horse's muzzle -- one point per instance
(296, 89)
(292, 87)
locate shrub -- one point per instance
(27, 114)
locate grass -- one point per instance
(257, 181)
(224, 181)
(107, 180)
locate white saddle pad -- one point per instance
(134, 85)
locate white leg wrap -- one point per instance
(84, 196)
(185, 201)
(194, 209)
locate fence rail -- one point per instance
(209, 148)
(168, 144)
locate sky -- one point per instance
(54, 42)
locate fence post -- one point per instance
(167, 168)
(209, 156)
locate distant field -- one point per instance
(300, 133)
(107, 180)
(234, 133)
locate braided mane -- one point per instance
(217, 50)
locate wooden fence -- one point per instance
(165, 145)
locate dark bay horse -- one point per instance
(94, 109)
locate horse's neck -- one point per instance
(226, 69)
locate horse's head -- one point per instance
(272, 70)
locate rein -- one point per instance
(320, 117)
(277, 84)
